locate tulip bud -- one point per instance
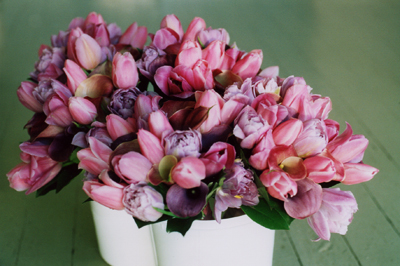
(356, 173)
(214, 54)
(172, 22)
(189, 172)
(287, 132)
(108, 196)
(117, 126)
(75, 75)
(189, 54)
(82, 110)
(134, 36)
(124, 72)
(26, 97)
(131, 167)
(195, 26)
(249, 65)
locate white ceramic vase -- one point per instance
(121, 242)
(236, 241)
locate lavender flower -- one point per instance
(183, 143)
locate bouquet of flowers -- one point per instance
(188, 127)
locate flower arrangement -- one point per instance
(188, 127)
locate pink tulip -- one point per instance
(82, 110)
(108, 196)
(131, 167)
(95, 158)
(306, 202)
(172, 22)
(232, 108)
(56, 106)
(189, 53)
(291, 81)
(214, 54)
(124, 72)
(287, 132)
(195, 26)
(347, 147)
(279, 185)
(101, 35)
(140, 201)
(26, 97)
(188, 172)
(159, 124)
(134, 36)
(94, 19)
(75, 75)
(312, 140)
(249, 65)
(83, 49)
(76, 23)
(33, 172)
(266, 106)
(335, 214)
(117, 126)
(332, 128)
(270, 72)
(144, 106)
(261, 151)
(212, 100)
(183, 81)
(356, 173)
(220, 155)
(320, 169)
(249, 127)
(150, 146)
(231, 56)
(295, 96)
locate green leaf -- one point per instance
(141, 223)
(181, 225)
(266, 216)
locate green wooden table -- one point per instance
(348, 50)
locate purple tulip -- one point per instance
(50, 63)
(335, 213)
(206, 36)
(140, 200)
(249, 127)
(186, 202)
(123, 102)
(306, 202)
(152, 59)
(182, 143)
(238, 189)
(43, 90)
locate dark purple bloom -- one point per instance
(186, 202)
(152, 59)
(123, 102)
